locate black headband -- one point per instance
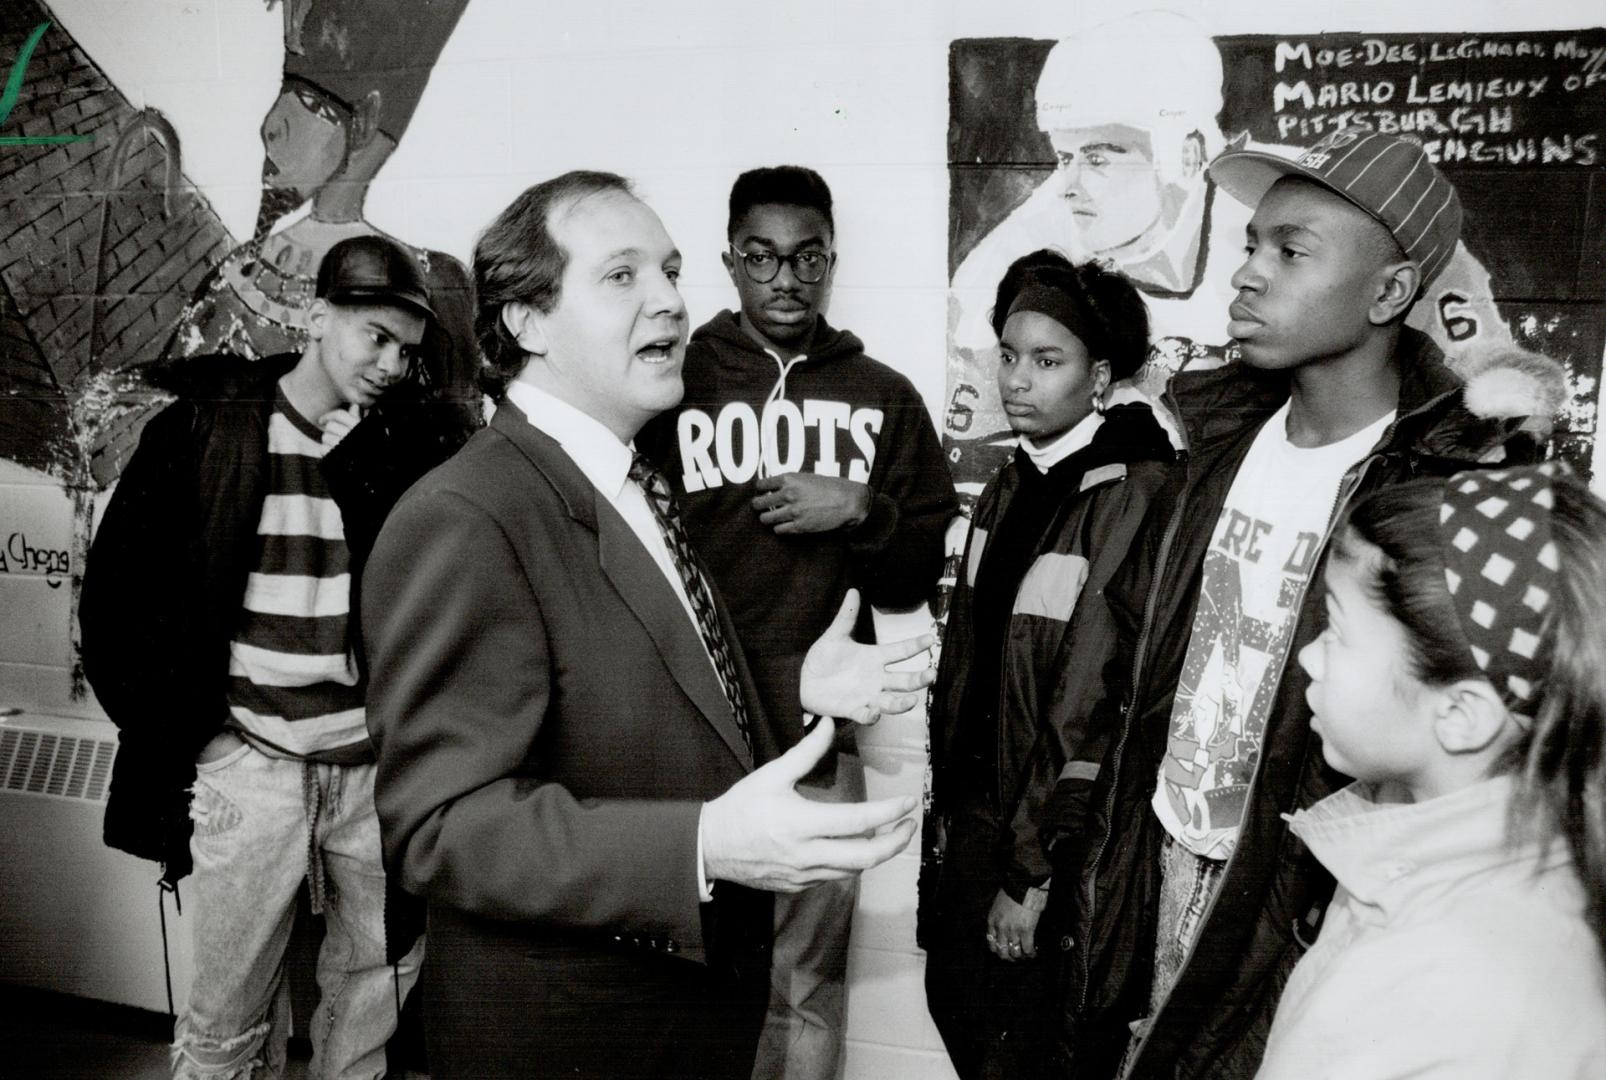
(1065, 308)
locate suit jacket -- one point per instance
(546, 718)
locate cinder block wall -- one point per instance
(680, 97)
(36, 560)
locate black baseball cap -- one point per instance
(373, 270)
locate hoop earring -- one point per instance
(1098, 402)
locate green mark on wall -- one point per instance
(8, 98)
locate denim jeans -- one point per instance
(1188, 882)
(260, 823)
(803, 1027)
(1187, 885)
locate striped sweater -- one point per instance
(294, 687)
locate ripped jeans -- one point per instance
(262, 826)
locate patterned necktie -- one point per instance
(662, 501)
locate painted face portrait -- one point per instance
(1109, 182)
(305, 140)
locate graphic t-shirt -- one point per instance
(1256, 571)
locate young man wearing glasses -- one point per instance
(804, 468)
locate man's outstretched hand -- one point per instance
(763, 834)
(842, 677)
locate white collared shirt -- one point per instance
(605, 461)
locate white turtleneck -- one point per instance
(1069, 442)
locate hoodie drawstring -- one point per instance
(777, 392)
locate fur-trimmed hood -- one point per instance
(1505, 410)
(1510, 382)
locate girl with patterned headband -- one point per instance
(1462, 681)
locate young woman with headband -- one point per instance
(1028, 623)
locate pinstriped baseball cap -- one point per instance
(1391, 179)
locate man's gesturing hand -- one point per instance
(843, 678)
(762, 833)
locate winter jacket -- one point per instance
(167, 572)
(835, 412)
(1104, 835)
(1450, 952)
(1057, 637)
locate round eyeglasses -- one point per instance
(809, 266)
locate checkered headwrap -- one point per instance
(1500, 565)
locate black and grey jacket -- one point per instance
(1031, 726)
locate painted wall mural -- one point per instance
(113, 265)
(101, 242)
(1097, 145)
(353, 75)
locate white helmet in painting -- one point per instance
(1156, 71)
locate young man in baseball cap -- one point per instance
(218, 632)
(1179, 901)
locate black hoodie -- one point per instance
(832, 411)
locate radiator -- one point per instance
(75, 916)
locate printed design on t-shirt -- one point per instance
(1253, 582)
(739, 443)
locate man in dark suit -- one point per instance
(570, 746)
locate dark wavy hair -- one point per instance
(1561, 760)
(1111, 303)
(517, 260)
(783, 185)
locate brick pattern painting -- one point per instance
(102, 240)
